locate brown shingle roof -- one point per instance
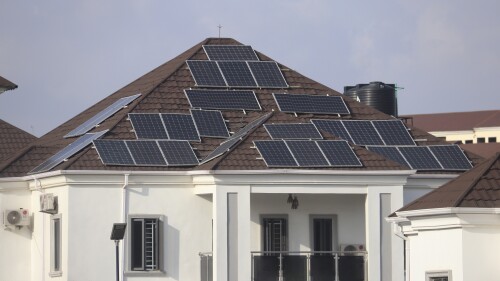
(163, 91)
(478, 187)
(456, 121)
(6, 84)
(485, 150)
(12, 140)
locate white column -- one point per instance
(219, 211)
(372, 213)
(398, 251)
(244, 257)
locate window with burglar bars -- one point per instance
(145, 244)
(275, 234)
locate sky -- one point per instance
(67, 55)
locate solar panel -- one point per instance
(293, 131)
(267, 74)
(389, 152)
(101, 116)
(237, 74)
(393, 132)
(334, 127)
(275, 153)
(420, 158)
(307, 153)
(67, 152)
(221, 149)
(146, 153)
(339, 153)
(206, 73)
(223, 99)
(311, 104)
(230, 52)
(180, 127)
(451, 157)
(362, 132)
(250, 126)
(148, 125)
(210, 123)
(178, 153)
(113, 152)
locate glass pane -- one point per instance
(136, 249)
(57, 245)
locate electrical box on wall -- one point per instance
(48, 203)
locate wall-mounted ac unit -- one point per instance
(19, 217)
(352, 247)
(48, 203)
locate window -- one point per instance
(492, 139)
(55, 246)
(438, 275)
(145, 235)
(468, 141)
(481, 140)
(275, 234)
(323, 233)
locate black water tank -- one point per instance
(376, 94)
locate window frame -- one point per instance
(56, 246)
(335, 235)
(286, 230)
(160, 271)
(430, 275)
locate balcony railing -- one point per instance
(309, 266)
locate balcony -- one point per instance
(300, 266)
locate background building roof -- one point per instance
(456, 121)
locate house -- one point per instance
(225, 165)
(452, 233)
(477, 131)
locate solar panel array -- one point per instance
(307, 153)
(67, 152)
(234, 139)
(180, 126)
(101, 116)
(311, 104)
(433, 157)
(223, 99)
(210, 123)
(367, 132)
(237, 74)
(305, 131)
(230, 52)
(146, 152)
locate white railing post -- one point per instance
(336, 267)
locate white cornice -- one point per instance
(446, 211)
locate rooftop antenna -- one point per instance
(220, 27)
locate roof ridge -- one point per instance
(486, 168)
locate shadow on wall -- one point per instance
(171, 248)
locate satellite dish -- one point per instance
(14, 217)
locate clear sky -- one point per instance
(67, 55)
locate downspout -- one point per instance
(396, 229)
(38, 187)
(123, 219)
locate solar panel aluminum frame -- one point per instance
(319, 136)
(223, 108)
(326, 113)
(381, 137)
(101, 116)
(115, 164)
(236, 46)
(226, 77)
(178, 165)
(142, 164)
(207, 86)
(407, 164)
(289, 142)
(266, 86)
(276, 166)
(359, 164)
(333, 120)
(440, 162)
(135, 131)
(166, 127)
(421, 169)
(368, 121)
(210, 136)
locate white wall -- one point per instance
(15, 243)
(481, 253)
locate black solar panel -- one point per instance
(307, 153)
(451, 157)
(178, 153)
(250, 126)
(223, 99)
(237, 74)
(67, 152)
(267, 74)
(230, 52)
(339, 153)
(420, 158)
(311, 104)
(206, 73)
(393, 132)
(334, 127)
(180, 127)
(210, 123)
(146, 153)
(101, 116)
(148, 126)
(275, 153)
(362, 132)
(389, 152)
(293, 131)
(113, 152)
(221, 149)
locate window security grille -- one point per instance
(275, 234)
(145, 248)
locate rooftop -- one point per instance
(456, 121)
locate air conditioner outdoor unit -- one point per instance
(19, 217)
(352, 248)
(48, 203)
